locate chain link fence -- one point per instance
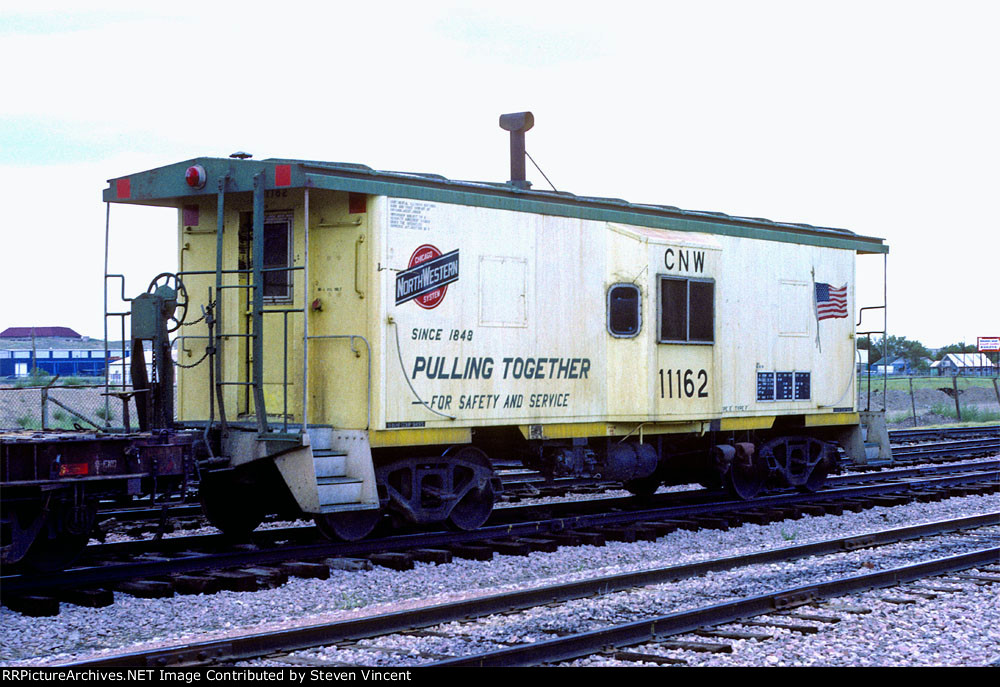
(76, 405)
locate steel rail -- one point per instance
(251, 646)
(650, 629)
(923, 470)
(105, 574)
(963, 447)
(900, 435)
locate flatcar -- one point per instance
(372, 344)
(53, 482)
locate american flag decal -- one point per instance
(830, 301)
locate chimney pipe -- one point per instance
(517, 123)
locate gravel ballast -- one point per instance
(959, 628)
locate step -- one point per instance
(335, 490)
(330, 463)
(320, 438)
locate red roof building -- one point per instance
(38, 332)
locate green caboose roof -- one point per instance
(167, 186)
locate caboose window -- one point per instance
(277, 255)
(624, 311)
(687, 310)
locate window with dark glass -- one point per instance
(277, 257)
(277, 254)
(624, 310)
(687, 310)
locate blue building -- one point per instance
(65, 363)
(51, 350)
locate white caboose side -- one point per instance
(378, 338)
(570, 327)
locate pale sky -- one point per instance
(877, 117)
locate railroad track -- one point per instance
(900, 436)
(341, 643)
(956, 448)
(162, 568)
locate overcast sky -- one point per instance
(878, 117)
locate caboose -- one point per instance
(373, 342)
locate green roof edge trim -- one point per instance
(167, 183)
(553, 207)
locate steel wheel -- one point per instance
(746, 477)
(56, 553)
(473, 481)
(62, 538)
(348, 525)
(802, 462)
(643, 488)
(817, 478)
(230, 506)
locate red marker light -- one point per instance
(195, 176)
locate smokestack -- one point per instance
(517, 123)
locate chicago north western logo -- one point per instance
(426, 278)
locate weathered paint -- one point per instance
(516, 334)
(520, 337)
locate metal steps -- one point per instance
(333, 485)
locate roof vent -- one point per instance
(517, 123)
(240, 155)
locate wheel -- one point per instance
(62, 539)
(472, 481)
(643, 488)
(173, 282)
(348, 525)
(746, 480)
(230, 506)
(801, 462)
(817, 478)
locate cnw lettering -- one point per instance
(682, 260)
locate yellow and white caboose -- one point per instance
(374, 341)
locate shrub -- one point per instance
(969, 413)
(27, 422)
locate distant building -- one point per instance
(898, 366)
(51, 350)
(39, 332)
(120, 369)
(976, 364)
